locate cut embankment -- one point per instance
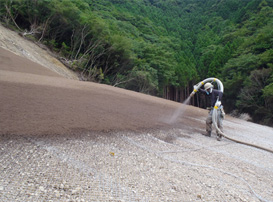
(35, 100)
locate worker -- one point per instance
(214, 95)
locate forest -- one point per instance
(160, 47)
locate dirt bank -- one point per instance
(11, 41)
(35, 100)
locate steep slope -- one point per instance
(11, 41)
(35, 100)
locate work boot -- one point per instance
(219, 137)
(208, 134)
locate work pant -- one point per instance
(219, 121)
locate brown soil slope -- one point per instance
(35, 100)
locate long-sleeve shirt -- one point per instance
(213, 96)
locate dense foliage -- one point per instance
(153, 45)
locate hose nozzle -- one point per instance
(193, 92)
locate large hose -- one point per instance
(214, 121)
(215, 114)
(200, 84)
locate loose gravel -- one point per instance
(161, 165)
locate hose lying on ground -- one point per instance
(214, 121)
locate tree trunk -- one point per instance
(8, 11)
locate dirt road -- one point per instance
(66, 140)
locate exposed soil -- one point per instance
(37, 101)
(11, 41)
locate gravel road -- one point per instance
(173, 165)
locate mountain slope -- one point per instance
(35, 100)
(66, 139)
(160, 47)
